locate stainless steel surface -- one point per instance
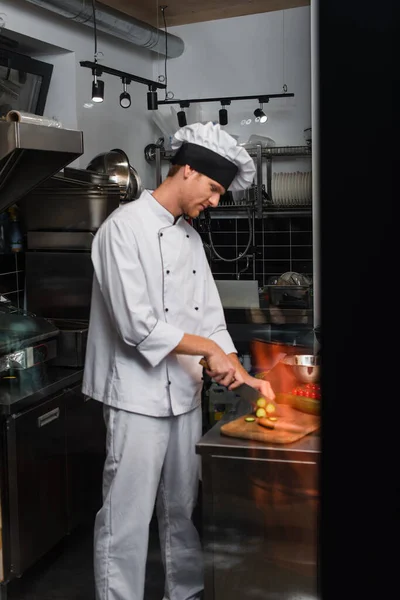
(260, 517)
(71, 342)
(47, 418)
(30, 154)
(59, 240)
(238, 293)
(135, 186)
(247, 393)
(36, 484)
(65, 209)
(59, 284)
(33, 385)
(117, 24)
(115, 164)
(86, 176)
(29, 357)
(306, 367)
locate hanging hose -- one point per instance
(243, 254)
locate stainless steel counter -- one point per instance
(35, 384)
(260, 514)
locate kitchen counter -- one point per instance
(260, 513)
(35, 384)
(215, 444)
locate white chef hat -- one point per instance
(211, 151)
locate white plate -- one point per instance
(277, 191)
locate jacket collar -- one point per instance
(162, 214)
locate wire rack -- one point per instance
(274, 151)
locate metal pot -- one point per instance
(305, 367)
(115, 164)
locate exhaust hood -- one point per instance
(30, 154)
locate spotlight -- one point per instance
(182, 118)
(223, 116)
(223, 113)
(125, 97)
(152, 99)
(260, 115)
(97, 89)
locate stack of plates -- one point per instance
(292, 189)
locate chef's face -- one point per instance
(200, 192)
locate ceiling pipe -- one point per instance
(117, 24)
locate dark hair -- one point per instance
(173, 170)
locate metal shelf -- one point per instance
(280, 151)
(269, 152)
(155, 152)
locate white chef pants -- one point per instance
(149, 460)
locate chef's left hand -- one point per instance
(264, 387)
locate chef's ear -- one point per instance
(188, 172)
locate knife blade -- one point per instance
(245, 391)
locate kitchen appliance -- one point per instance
(25, 340)
(30, 154)
(61, 217)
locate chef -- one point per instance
(155, 313)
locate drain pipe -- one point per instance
(117, 24)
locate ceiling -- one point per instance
(182, 12)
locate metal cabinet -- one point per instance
(52, 457)
(260, 518)
(36, 471)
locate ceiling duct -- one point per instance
(117, 24)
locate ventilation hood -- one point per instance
(30, 154)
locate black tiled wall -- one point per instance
(12, 277)
(281, 243)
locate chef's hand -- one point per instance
(264, 387)
(219, 367)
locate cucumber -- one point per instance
(250, 419)
(261, 412)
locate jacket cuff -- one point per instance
(224, 340)
(160, 342)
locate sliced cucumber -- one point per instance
(260, 412)
(249, 419)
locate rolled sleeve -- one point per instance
(124, 288)
(223, 339)
(160, 342)
(214, 321)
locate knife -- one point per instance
(245, 391)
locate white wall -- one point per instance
(247, 55)
(107, 125)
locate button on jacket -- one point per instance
(152, 283)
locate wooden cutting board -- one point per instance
(291, 426)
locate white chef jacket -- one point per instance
(152, 283)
